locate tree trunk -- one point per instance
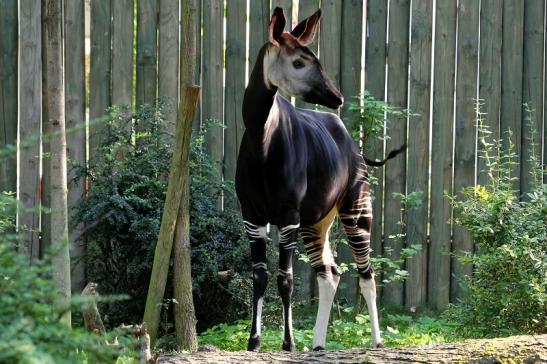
(185, 320)
(58, 171)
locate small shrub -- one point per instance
(507, 292)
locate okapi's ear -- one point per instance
(277, 24)
(306, 30)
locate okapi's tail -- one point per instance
(391, 155)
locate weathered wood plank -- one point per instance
(259, 19)
(147, 21)
(532, 91)
(329, 38)
(466, 94)
(75, 119)
(545, 102)
(122, 51)
(490, 75)
(212, 100)
(99, 76)
(235, 83)
(45, 183)
(286, 5)
(168, 67)
(438, 293)
(375, 79)
(511, 79)
(30, 110)
(305, 9)
(196, 125)
(395, 176)
(8, 91)
(350, 86)
(418, 148)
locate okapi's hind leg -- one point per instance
(356, 218)
(316, 242)
(257, 237)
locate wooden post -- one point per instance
(438, 292)
(418, 149)
(532, 93)
(329, 38)
(259, 19)
(185, 320)
(490, 75)
(305, 9)
(235, 83)
(75, 119)
(122, 52)
(511, 80)
(30, 110)
(99, 74)
(395, 176)
(466, 94)
(8, 92)
(168, 65)
(175, 191)
(58, 162)
(147, 16)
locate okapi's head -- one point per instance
(292, 67)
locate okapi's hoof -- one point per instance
(254, 344)
(318, 348)
(288, 346)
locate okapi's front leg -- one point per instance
(257, 237)
(287, 243)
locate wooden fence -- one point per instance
(435, 57)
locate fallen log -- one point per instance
(515, 349)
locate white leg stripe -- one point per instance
(260, 265)
(368, 289)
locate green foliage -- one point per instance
(346, 332)
(507, 292)
(30, 327)
(370, 117)
(122, 214)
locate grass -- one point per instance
(346, 331)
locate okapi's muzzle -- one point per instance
(328, 96)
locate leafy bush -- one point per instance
(507, 292)
(30, 326)
(122, 215)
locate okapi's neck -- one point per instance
(258, 98)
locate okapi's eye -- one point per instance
(298, 64)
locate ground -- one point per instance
(515, 349)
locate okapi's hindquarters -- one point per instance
(356, 218)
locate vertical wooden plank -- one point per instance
(99, 74)
(490, 74)
(438, 292)
(259, 19)
(329, 38)
(8, 92)
(122, 51)
(305, 9)
(350, 86)
(212, 99)
(30, 109)
(545, 96)
(375, 79)
(395, 176)
(418, 148)
(532, 90)
(45, 183)
(235, 83)
(75, 119)
(511, 79)
(147, 21)
(196, 124)
(466, 94)
(168, 59)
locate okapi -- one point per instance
(298, 169)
